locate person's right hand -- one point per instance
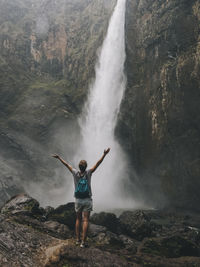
(55, 156)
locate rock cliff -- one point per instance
(159, 119)
(47, 57)
(48, 51)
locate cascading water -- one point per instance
(100, 116)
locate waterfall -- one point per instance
(99, 119)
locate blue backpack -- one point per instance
(82, 189)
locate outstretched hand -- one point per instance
(106, 151)
(55, 156)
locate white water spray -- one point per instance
(100, 116)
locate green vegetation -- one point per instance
(47, 70)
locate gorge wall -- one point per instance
(48, 51)
(159, 120)
(47, 56)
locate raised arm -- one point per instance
(63, 162)
(106, 151)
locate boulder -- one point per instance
(105, 238)
(134, 218)
(22, 204)
(48, 209)
(129, 243)
(109, 240)
(138, 224)
(25, 210)
(57, 229)
(192, 234)
(94, 230)
(64, 214)
(109, 220)
(170, 247)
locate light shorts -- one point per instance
(83, 204)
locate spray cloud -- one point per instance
(99, 119)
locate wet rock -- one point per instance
(193, 234)
(94, 229)
(134, 217)
(138, 224)
(109, 220)
(64, 214)
(22, 204)
(57, 229)
(129, 243)
(8, 188)
(48, 210)
(170, 247)
(105, 238)
(109, 239)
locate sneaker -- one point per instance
(83, 245)
(78, 242)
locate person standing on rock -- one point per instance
(82, 194)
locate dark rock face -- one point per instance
(159, 119)
(47, 58)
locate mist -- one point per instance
(98, 121)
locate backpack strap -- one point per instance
(84, 175)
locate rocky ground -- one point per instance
(34, 236)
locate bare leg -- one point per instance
(86, 215)
(78, 225)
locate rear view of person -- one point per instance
(82, 194)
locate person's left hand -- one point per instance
(106, 151)
(55, 156)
